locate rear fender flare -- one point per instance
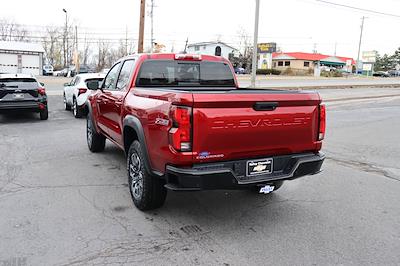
(90, 114)
(134, 123)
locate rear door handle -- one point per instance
(265, 106)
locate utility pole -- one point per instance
(66, 39)
(77, 50)
(359, 44)
(126, 40)
(255, 41)
(141, 26)
(152, 24)
(187, 39)
(335, 48)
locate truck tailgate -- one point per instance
(250, 124)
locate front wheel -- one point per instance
(147, 191)
(96, 141)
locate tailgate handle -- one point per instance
(265, 106)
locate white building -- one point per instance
(212, 48)
(21, 57)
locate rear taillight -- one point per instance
(42, 91)
(180, 135)
(322, 122)
(81, 91)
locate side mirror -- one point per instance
(66, 84)
(93, 85)
(42, 84)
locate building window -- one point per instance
(280, 63)
(306, 64)
(204, 47)
(197, 48)
(287, 63)
(218, 51)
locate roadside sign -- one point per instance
(266, 48)
(369, 56)
(367, 67)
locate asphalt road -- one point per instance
(62, 205)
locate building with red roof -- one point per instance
(306, 61)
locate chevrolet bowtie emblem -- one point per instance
(259, 168)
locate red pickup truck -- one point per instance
(185, 125)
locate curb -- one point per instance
(361, 98)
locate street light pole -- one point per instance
(254, 61)
(66, 38)
(359, 44)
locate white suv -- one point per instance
(76, 92)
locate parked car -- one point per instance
(394, 73)
(61, 73)
(382, 74)
(239, 70)
(24, 93)
(76, 92)
(83, 69)
(185, 125)
(48, 70)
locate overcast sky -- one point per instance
(294, 25)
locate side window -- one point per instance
(109, 81)
(125, 74)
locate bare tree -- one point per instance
(52, 44)
(11, 31)
(102, 55)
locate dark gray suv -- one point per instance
(23, 93)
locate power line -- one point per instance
(359, 9)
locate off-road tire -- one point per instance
(96, 141)
(152, 193)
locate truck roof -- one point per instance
(172, 56)
(11, 76)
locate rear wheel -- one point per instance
(277, 185)
(147, 191)
(96, 141)
(66, 105)
(76, 110)
(44, 114)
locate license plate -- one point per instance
(259, 167)
(18, 96)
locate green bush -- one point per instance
(330, 74)
(268, 72)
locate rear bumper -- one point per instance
(231, 174)
(21, 105)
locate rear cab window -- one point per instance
(20, 83)
(177, 73)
